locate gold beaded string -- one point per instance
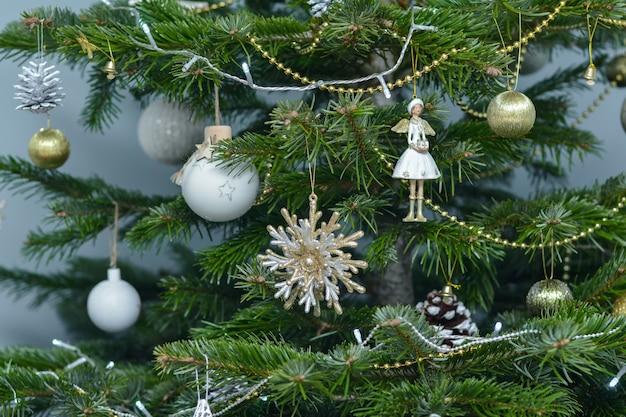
(613, 22)
(316, 36)
(467, 109)
(462, 349)
(508, 243)
(401, 81)
(213, 7)
(585, 114)
(332, 89)
(544, 24)
(516, 45)
(266, 188)
(482, 115)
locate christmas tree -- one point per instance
(350, 222)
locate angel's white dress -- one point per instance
(414, 164)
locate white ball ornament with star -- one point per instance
(215, 191)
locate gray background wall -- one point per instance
(117, 157)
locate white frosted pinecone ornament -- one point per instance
(452, 319)
(39, 90)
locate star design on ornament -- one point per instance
(227, 190)
(204, 150)
(312, 262)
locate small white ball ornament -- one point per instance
(217, 192)
(167, 133)
(113, 305)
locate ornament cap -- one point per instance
(114, 274)
(213, 134)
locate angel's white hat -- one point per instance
(414, 103)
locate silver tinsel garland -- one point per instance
(39, 90)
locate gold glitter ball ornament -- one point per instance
(511, 114)
(547, 295)
(49, 148)
(619, 306)
(616, 70)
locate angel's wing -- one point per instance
(427, 129)
(401, 127)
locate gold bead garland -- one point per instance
(508, 49)
(613, 22)
(591, 108)
(266, 189)
(332, 89)
(515, 245)
(316, 40)
(544, 24)
(213, 7)
(400, 82)
(474, 113)
(444, 352)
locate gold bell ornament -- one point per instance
(590, 74)
(109, 69)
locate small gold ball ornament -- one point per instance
(511, 114)
(547, 295)
(619, 306)
(49, 148)
(616, 70)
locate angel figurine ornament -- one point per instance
(415, 163)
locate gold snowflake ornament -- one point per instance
(313, 262)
